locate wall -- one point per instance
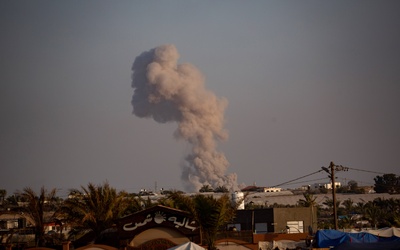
(306, 214)
(276, 218)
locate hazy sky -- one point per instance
(307, 82)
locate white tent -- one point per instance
(187, 246)
(383, 232)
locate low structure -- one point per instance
(272, 189)
(317, 186)
(276, 220)
(159, 226)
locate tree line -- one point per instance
(97, 208)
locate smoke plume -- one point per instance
(170, 92)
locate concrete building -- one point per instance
(272, 190)
(276, 220)
(316, 186)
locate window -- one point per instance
(293, 227)
(261, 228)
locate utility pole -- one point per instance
(331, 171)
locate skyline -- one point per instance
(305, 83)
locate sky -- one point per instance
(305, 83)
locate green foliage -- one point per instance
(387, 183)
(379, 213)
(308, 201)
(212, 214)
(94, 208)
(3, 194)
(206, 188)
(329, 203)
(221, 189)
(37, 206)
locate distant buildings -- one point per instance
(317, 186)
(261, 189)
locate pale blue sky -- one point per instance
(308, 82)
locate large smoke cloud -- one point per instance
(167, 92)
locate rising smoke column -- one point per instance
(171, 92)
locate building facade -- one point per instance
(276, 220)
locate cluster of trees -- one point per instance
(96, 208)
(207, 188)
(387, 183)
(378, 213)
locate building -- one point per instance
(272, 189)
(276, 220)
(158, 227)
(163, 227)
(261, 189)
(317, 186)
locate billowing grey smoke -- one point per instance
(170, 92)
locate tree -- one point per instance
(348, 206)
(221, 189)
(329, 203)
(373, 213)
(137, 203)
(3, 194)
(206, 188)
(210, 213)
(387, 183)
(308, 201)
(40, 209)
(95, 208)
(352, 185)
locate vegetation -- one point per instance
(94, 208)
(40, 208)
(387, 183)
(3, 194)
(210, 213)
(206, 188)
(221, 189)
(308, 201)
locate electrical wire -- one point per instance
(307, 181)
(297, 178)
(292, 181)
(362, 170)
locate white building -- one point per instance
(325, 185)
(272, 189)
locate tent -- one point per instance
(187, 246)
(369, 246)
(366, 239)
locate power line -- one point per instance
(307, 181)
(363, 170)
(346, 180)
(297, 179)
(292, 181)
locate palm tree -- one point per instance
(137, 203)
(206, 188)
(210, 213)
(39, 209)
(360, 207)
(329, 203)
(373, 213)
(95, 208)
(348, 206)
(221, 189)
(3, 194)
(308, 201)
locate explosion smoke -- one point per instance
(167, 91)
